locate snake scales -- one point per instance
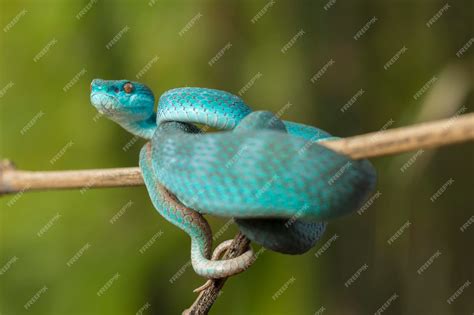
(269, 174)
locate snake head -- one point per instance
(122, 100)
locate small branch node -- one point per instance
(6, 167)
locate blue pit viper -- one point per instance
(270, 175)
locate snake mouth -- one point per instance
(109, 105)
(105, 103)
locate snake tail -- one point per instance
(194, 224)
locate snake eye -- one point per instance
(116, 90)
(128, 87)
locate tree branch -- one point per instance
(397, 140)
(13, 180)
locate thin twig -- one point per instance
(399, 140)
(13, 180)
(206, 298)
(404, 139)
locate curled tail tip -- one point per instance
(216, 269)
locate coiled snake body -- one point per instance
(268, 174)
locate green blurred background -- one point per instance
(46, 44)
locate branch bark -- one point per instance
(13, 180)
(397, 140)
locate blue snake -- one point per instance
(270, 175)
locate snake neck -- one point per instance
(142, 128)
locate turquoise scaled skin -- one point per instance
(271, 175)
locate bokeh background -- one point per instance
(51, 50)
